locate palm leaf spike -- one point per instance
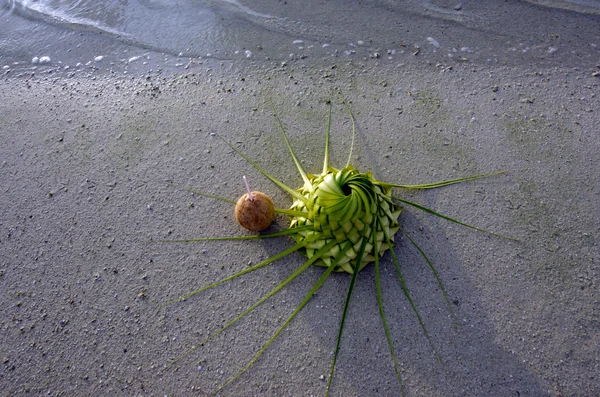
(341, 219)
(353, 130)
(287, 142)
(361, 252)
(432, 268)
(388, 336)
(326, 156)
(407, 293)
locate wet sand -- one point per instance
(91, 166)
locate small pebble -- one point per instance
(433, 42)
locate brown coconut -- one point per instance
(257, 214)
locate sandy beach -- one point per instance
(94, 167)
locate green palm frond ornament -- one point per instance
(341, 219)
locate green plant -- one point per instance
(343, 220)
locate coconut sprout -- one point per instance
(341, 219)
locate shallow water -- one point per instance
(169, 33)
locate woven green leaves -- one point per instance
(345, 205)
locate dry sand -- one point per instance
(89, 165)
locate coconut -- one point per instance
(255, 212)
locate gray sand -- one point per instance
(88, 168)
